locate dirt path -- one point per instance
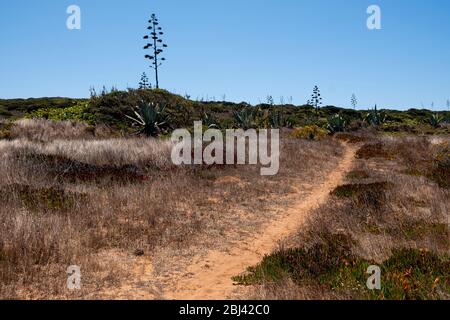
(209, 277)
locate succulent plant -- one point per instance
(278, 120)
(435, 120)
(151, 118)
(375, 117)
(336, 123)
(245, 118)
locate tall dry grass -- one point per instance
(47, 130)
(72, 201)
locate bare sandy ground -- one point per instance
(208, 277)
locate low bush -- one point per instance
(63, 169)
(78, 112)
(311, 132)
(406, 274)
(301, 263)
(5, 130)
(370, 195)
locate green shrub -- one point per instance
(415, 274)
(77, 112)
(311, 132)
(113, 107)
(407, 274)
(301, 263)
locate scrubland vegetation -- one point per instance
(392, 212)
(111, 108)
(83, 184)
(69, 200)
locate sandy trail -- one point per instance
(209, 277)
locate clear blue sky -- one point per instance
(245, 49)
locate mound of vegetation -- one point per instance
(77, 112)
(374, 150)
(112, 109)
(406, 274)
(311, 132)
(18, 107)
(370, 195)
(65, 169)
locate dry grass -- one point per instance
(47, 130)
(71, 199)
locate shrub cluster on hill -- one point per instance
(113, 108)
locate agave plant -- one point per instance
(278, 120)
(375, 117)
(337, 123)
(435, 120)
(209, 121)
(245, 118)
(151, 118)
